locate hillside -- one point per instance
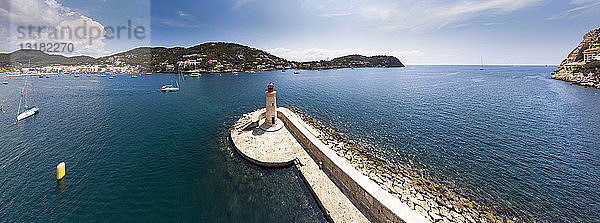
(201, 57)
(360, 61)
(582, 65)
(206, 57)
(39, 58)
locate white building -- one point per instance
(591, 54)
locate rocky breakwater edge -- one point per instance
(433, 200)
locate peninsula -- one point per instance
(582, 65)
(208, 57)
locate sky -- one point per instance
(415, 31)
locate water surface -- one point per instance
(508, 135)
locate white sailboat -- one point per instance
(29, 110)
(481, 68)
(170, 87)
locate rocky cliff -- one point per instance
(582, 65)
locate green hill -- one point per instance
(39, 58)
(211, 56)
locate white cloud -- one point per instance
(43, 15)
(182, 20)
(240, 3)
(416, 14)
(182, 14)
(581, 8)
(314, 54)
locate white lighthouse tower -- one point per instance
(271, 114)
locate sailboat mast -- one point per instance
(21, 99)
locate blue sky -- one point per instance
(416, 31)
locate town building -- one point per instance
(591, 54)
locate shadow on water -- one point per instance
(61, 185)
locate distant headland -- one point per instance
(582, 65)
(203, 58)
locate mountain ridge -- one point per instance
(205, 57)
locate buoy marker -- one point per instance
(60, 171)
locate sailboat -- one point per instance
(481, 68)
(169, 87)
(29, 110)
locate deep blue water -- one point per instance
(509, 135)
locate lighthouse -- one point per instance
(271, 114)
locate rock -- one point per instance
(436, 218)
(397, 189)
(469, 218)
(444, 211)
(435, 211)
(421, 210)
(419, 197)
(412, 199)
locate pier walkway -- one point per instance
(279, 149)
(343, 193)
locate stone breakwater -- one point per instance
(343, 193)
(432, 200)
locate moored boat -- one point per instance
(169, 88)
(28, 112)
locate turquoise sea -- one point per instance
(508, 135)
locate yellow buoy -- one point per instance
(60, 171)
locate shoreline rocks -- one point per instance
(434, 201)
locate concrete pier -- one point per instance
(342, 192)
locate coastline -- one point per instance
(591, 80)
(431, 199)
